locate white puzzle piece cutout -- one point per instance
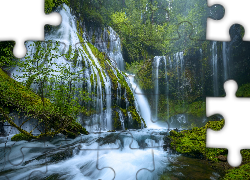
(237, 117)
(236, 12)
(18, 16)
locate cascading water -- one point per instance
(156, 69)
(121, 119)
(215, 68)
(85, 157)
(115, 49)
(143, 104)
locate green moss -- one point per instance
(143, 73)
(193, 142)
(239, 173)
(119, 78)
(111, 131)
(117, 122)
(197, 108)
(108, 45)
(243, 91)
(20, 137)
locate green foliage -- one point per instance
(55, 82)
(6, 54)
(50, 5)
(14, 94)
(143, 73)
(55, 102)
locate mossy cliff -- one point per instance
(15, 96)
(120, 90)
(193, 143)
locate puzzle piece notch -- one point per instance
(219, 30)
(217, 9)
(33, 28)
(235, 110)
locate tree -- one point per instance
(53, 81)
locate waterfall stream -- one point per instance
(215, 68)
(156, 69)
(160, 68)
(143, 105)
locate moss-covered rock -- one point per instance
(193, 142)
(20, 137)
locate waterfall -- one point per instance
(175, 66)
(121, 119)
(182, 77)
(215, 68)
(156, 69)
(179, 65)
(225, 60)
(96, 79)
(143, 104)
(67, 33)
